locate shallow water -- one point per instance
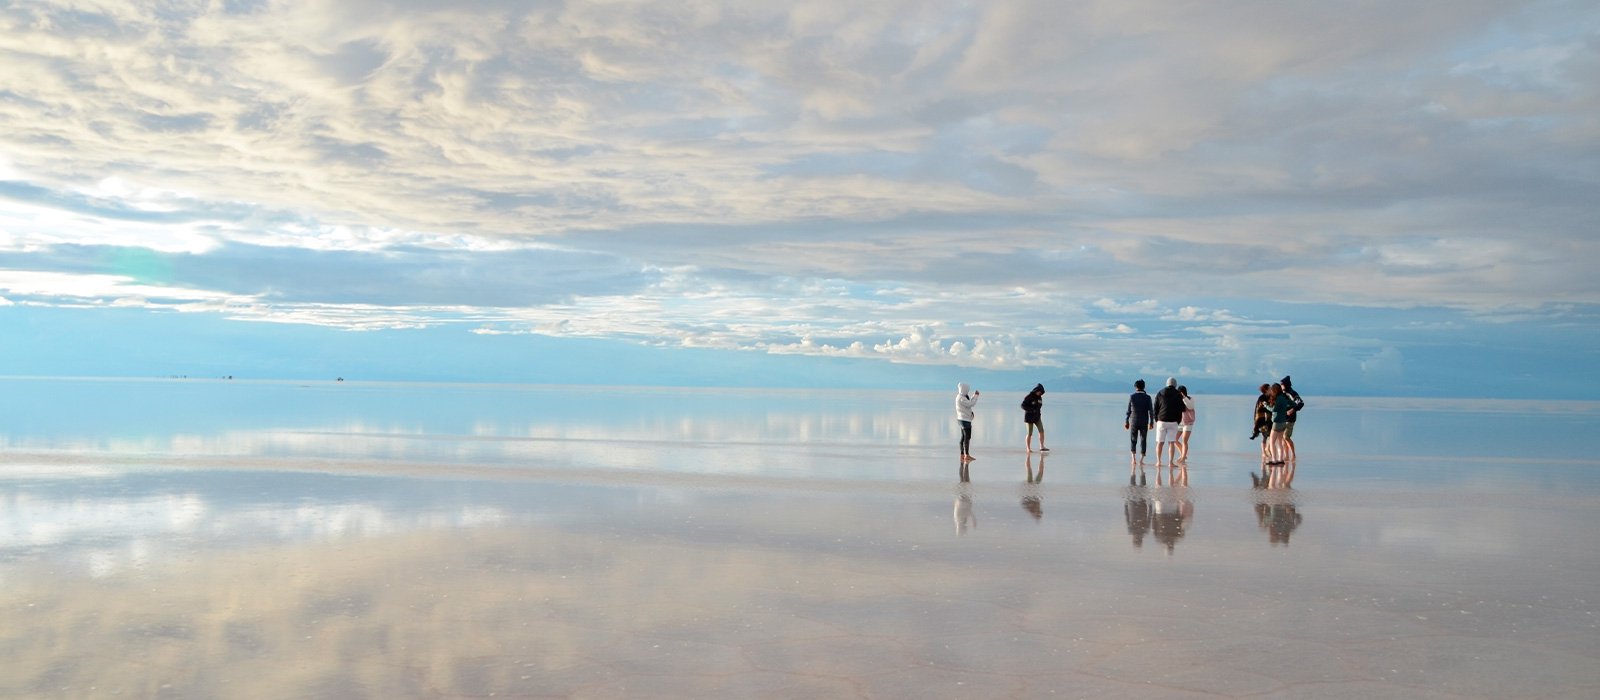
(183, 538)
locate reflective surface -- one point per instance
(232, 539)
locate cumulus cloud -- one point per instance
(1020, 183)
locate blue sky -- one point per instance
(1378, 198)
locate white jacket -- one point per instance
(965, 402)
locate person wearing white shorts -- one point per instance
(1168, 414)
(1168, 431)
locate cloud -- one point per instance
(1009, 184)
(1387, 365)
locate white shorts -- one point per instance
(1186, 428)
(1167, 431)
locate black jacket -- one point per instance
(1138, 415)
(1169, 405)
(1031, 405)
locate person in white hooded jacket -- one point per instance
(966, 400)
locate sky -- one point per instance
(1379, 198)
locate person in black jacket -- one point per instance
(1032, 406)
(1169, 417)
(1299, 405)
(1137, 422)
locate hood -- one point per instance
(963, 389)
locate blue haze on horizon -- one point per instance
(1377, 199)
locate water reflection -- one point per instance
(138, 521)
(645, 591)
(1136, 510)
(965, 518)
(1276, 511)
(1032, 498)
(800, 433)
(1171, 512)
(1164, 510)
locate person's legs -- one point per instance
(1288, 439)
(1028, 443)
(966, 438)
(1166, 439)
(1042, 448)
(1184, 442)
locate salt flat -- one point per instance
(235, 539)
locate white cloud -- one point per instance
(1387, 365)
(999, 184)
(1142, 307)
(110, 288)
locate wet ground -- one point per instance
(219, 539)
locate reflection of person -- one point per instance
(1281, 519)
(1136, 510)
(966, 401)
(1275, 508)
(1032, 407)
(1299, 404)
(1185, 426)
(1180, 475)
(1276, 476)
(1170, 510)
(1137, 422)
(965, 519)
(1169, 414)
(1032, 500)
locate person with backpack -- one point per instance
(1299, 405)
(1032, 406)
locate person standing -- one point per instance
(966, 401)
(1186, 425)
(1282, 408)
(1032, 407)
(1137, 422)
(1294, 397)
(1262, 417)
(1169, 414)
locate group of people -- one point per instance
(1171, 413)
(1276, 410)
(1032, 415)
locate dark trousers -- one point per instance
(1138, 437)
(966, 435)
